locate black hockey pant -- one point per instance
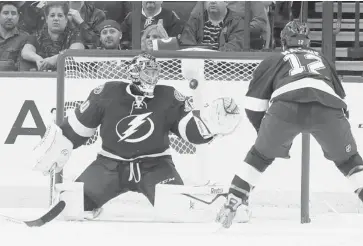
(329, 126)
(106, 178)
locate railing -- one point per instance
(356, 51)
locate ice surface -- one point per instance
(325, 230)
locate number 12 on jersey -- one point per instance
(296, 66)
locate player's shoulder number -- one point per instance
(313, 66)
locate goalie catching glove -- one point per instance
(53, 151)
(221, 117)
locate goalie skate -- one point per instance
(92, 215)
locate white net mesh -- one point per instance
(171, 69)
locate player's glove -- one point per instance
(221, 117)
(53, 151)
(228, 212)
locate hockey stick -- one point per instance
(203, 201)
(47, 217)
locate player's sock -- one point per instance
(248, 173)
(240, 188)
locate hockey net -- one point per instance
(83, 72)
(219, 74)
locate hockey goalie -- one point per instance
(135, 120)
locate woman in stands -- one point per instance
(155, 37)
(42, 50)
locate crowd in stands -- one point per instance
(33, 34)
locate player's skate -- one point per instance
(229, 210)
(72, 194)
(92, 215)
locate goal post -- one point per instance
(223, 74)
(305, 179)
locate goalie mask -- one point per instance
(295, 34)
(144, 73)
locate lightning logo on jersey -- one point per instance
(135, 128)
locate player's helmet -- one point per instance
(295, 34)
(143, 71)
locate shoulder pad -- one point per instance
(108, 86)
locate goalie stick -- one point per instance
(47, 217)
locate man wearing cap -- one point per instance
(110, 35)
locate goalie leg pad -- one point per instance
(53, 150)
(72, 194)
(180, 203)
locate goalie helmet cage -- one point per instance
(177, 67)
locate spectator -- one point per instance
(86, 18)
(259, 24)
(110, 35)
(217, 27)
(55, 37)
(31, 16)
(259, 28)
(154, 37)
(153, 32)
(12, 39)
(152, 12)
